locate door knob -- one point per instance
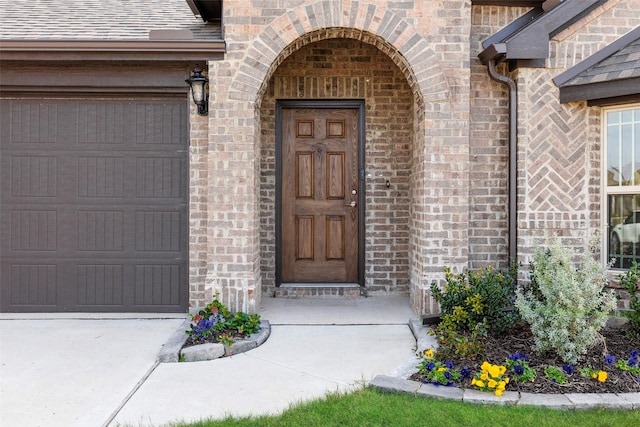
(353, 204)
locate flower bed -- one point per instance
(543, 336)
(621, 366)
(215, 332)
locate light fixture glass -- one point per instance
(199, 86)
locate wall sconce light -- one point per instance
(199, 90)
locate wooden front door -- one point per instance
(320, 195)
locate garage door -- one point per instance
(93, 208)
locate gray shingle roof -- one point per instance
(623, 64)
(99, 19)
(611, 75)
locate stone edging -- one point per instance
(172, 349)
(386, 383)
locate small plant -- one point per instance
(589, 372)
(519, 365)
(453, 342)
(630, 366)
(216, 323)
(481, 297)
(631, 282)
(440, 373)
(491, 378)
(225, 339)
(565, 306)
(557, 375)
(182, 358)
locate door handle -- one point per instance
(353, 204)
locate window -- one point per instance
(622, 153)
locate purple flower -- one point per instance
(632, 363)
(517, 356)
(447, 375)
(568, 369)
(519, 370)
(634, 354)
(609, 359)
(465, 374)
(448, 365)
(429, 366)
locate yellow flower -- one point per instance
(428, 353)
(594, 375)
(484, 376)
(506, 380)
(442, 369)
(479, 383)
(494, 371)
(499, 392)
(485, 367)
(492, 384)
(501, 385)
(602, 376)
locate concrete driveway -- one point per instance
(93, 371)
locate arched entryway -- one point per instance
(347, 69)
(238, 192)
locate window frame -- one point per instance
(607, 190)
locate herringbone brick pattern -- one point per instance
(555, 159)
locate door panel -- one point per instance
(320, 195)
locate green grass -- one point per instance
(370, 408)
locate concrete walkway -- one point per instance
(92, 372)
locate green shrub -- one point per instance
(565, 305)
(484, 297)
(630, 281)
(453, 342)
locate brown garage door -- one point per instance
(93, 208)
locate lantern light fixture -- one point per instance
(199, 90)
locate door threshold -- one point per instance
(319, 285)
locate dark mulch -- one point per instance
(616, 343)
(213, 338)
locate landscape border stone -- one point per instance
(172, 349)
(569, 401)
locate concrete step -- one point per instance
(318, 290)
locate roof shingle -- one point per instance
(99, 20)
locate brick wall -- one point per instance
(345, 68)
(560, 189)
(488, 147)
(198, 194)
(430, 47)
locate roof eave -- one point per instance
(207, 10)
(526, 40)
(123, 50)
(603, 93)
(597, 57)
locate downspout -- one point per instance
(513, 156)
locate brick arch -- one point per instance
(367, 22)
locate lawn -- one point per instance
(368, 407)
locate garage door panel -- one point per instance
(160, 177)
(100, 284)
(33, 175)
(33, 285)
(95, 216)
